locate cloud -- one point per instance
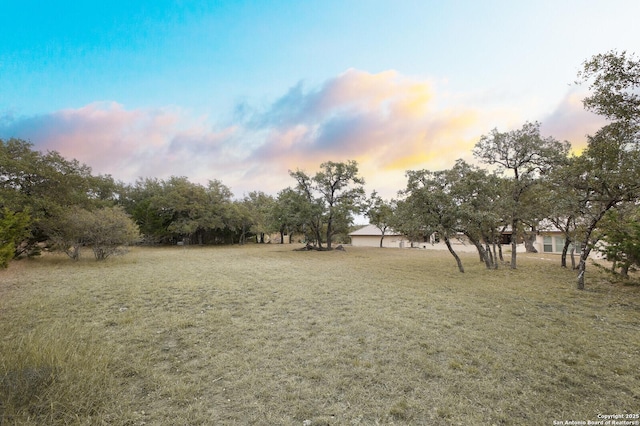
(387, 122)
(127, 143)
(571, 122)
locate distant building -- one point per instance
(369, 236)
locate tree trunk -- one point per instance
(318, 234)
(492, 257)
(482, 253)
(573, 258)
(453, 253)
(624, 270)
(565, 249)
(73, 252)
(584, 253)
(586, 248)
(582, 265)
(381, 238)
(529, 239)
(485, 256)
(514, 242)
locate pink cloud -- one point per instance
(571, 122)
(387, 122)
(127, 143)
(384, 119)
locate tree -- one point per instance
(240, 220)
(478, 197)
(380, 214)
(68, 232)
(333, 194)
(45, 184)
(609, 174)
(610, 170)
(14, 228)
(108, 229)
(568, 200)
(614, 79)
(259, 205)
(289, 214)
(141, 202)
(620, 234)
(175, 209)
(526, 154)
(186, 203)
(342, 192)
(429, 200)
(406, 222)
(105, 230)
(309, 207)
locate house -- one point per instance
(550, 241)
(369, 236)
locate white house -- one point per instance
(369, 236)
(550, 239)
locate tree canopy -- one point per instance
(333, 194)
(47, 201)
(525, 154)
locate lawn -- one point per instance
(266, 335)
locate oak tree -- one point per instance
(334, 193)
(526, 155)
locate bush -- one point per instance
(111, 228)
(105, 230)
(14, 227)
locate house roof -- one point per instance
(372, 230)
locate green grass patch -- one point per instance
(267, 335)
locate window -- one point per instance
(547, 244)
(559, 244)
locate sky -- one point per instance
(245, 91)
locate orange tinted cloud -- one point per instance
(387, 122)
(384, 119)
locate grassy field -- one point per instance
(266, 335)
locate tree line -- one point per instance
(591, 197)
(529, 182)
(50, 202)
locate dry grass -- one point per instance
(265, 335)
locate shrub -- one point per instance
(14, 227)
(109, 229)
(105, 230)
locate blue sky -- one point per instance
(245, 91)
